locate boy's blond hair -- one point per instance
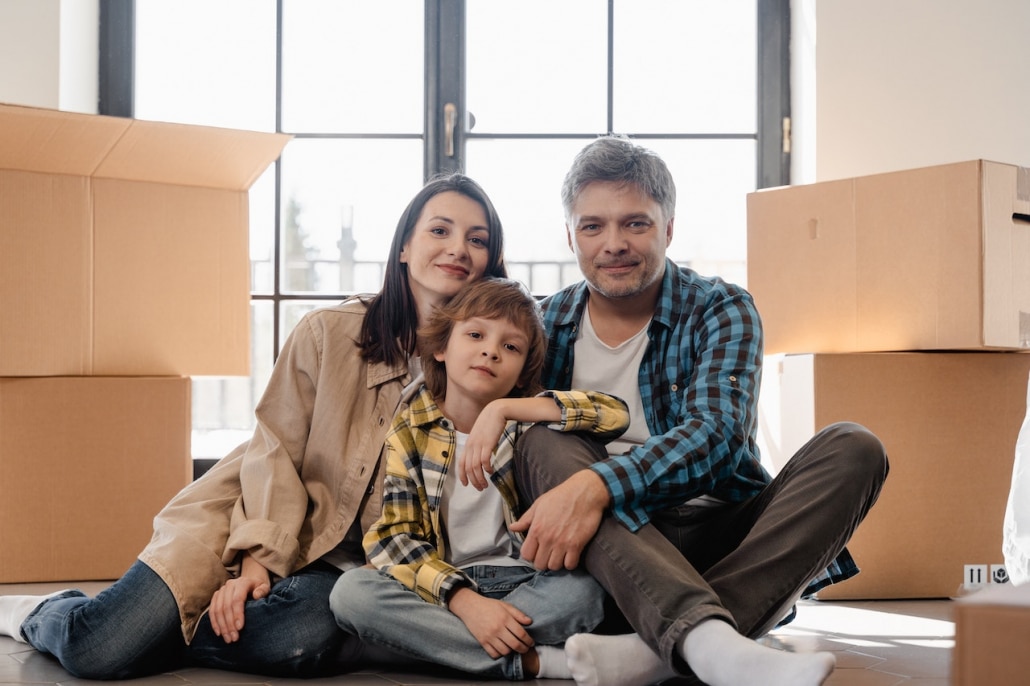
(490, 298)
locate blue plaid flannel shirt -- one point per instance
(699, 383)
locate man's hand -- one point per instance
(562, 521)
(498, 626)
(226, 610)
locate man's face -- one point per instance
(619, 236)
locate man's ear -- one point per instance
(568, 237)
(668, 231)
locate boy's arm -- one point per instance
(606, 416)
(401, 542)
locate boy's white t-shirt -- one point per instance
(473, 520)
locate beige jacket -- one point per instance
(290, 494)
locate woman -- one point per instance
(239, 570)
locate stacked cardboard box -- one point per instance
(902, 301)
(124, 269)
(992, 630)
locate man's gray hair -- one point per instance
(617, 159)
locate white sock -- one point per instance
(552, 663)
(15, 609)
(625, 660)
(719, 656)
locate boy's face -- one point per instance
(484, 359)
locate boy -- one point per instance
(450, 587)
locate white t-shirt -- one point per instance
(473, 520)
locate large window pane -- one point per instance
(713, 179)
(223, 407)
(523, 178)
(353, 66)
(340, 203)
(537, 65)
(205, 62)
(685, 66)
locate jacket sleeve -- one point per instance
(402, 542)
(603, 415)
(268, 516)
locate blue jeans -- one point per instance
(379, 609)
(132, 629)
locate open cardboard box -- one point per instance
(124, 244)
(936, 258)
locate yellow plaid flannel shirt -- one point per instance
(407, 541)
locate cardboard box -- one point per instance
(992, 632)
(124, 245)
(949, 422)
(85, 464)
(936, 258)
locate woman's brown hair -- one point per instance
(389, 331)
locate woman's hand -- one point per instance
(474, 463)
(227, 604)
(498, 626)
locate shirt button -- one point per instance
(675, 388)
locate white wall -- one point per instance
(49, 53)
(911, 83)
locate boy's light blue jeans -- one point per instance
(132, 629)
(380, 610)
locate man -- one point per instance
(700, 549)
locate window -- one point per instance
(368, 88)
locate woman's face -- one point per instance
(447, 249)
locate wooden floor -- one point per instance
(877, 643)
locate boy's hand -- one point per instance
(474, 464)
(498, 626)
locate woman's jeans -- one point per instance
(379, 609)
(132, 629)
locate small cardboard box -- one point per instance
(949, 422)
(936, 258)
(992, 632)
(124, 245)
(85, 464)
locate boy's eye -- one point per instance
(512, 347)
(475, 334)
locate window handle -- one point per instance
(450, 119)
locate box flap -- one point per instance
(48, 141)
(51, 141)
(189, 155)
(1006, 255)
